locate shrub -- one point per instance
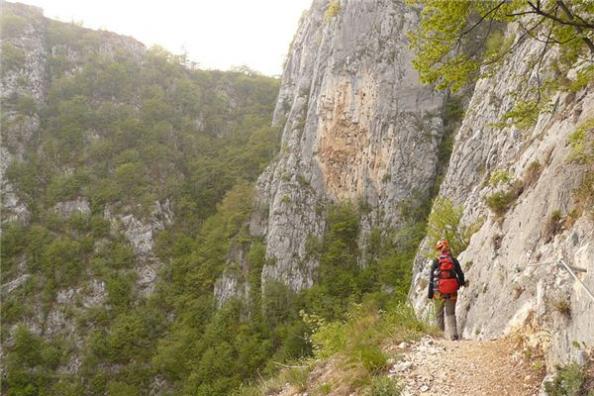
(584, 194)
(562, 305)
(581, 142)
(501, 201)
(552, 226)
(568, 382)
(445, 222)
(500, 176)
(524, 114)
(582, 151)
(66, 187)
(359, 339)
(384, 386)
(63, 261)
(532, 173)
(332, 10)
(297, 376)
(583, 78)
(119, 290)
(29, 361)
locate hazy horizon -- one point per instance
(214, 34)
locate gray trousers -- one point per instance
(445, 315)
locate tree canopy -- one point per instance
(457, 40)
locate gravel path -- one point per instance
(442, 368)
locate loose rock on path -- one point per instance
(434, 367)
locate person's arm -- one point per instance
(459, 273)
(431, 280)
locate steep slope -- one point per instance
(358, 127)
(113, 157)
(433, 367)
(518, 182)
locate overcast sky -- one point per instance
(217, 34)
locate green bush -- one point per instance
(524, 114)
(66, 187)
(297, 376)
(501, 201)
(29, 362)
(384, 386)
(568, 382)
(63, 261)
(444, 223)
(581, 142)
(119, 290)
(359, 339)
(332, 9)
(500, 176)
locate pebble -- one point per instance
(400, 367)
(424, 388)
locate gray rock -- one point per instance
(516, 286)
(358, 126)
(77, 206)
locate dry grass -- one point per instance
(563, 306)
(553, 226)
(532, 173)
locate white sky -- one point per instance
(218, 34)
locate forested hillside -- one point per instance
(124, 169)
(128, 191)
(168, 230)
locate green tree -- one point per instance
(457, 39)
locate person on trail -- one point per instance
(445, 278)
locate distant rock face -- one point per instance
(29, 80)
(358, 126)
(30, 47)
(17, 128)
(516, 283)
(76, 206)
(140, 232)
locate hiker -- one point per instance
(445, 278)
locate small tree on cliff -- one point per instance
(456, 39)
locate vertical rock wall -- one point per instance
(516, 284)
(358, 126)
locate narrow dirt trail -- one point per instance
(434, 367)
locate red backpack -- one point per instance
(447, 283)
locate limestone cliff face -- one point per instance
(358, 126)
(512, 263)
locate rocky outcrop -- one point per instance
(140, 232)
(75, 206)
(516, 284)
(23, 81)
(358, 126)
